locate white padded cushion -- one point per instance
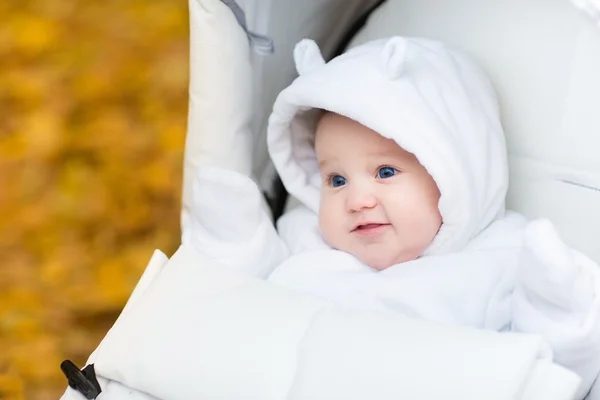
(544, 59)
(220, 94)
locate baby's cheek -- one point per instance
(329, 225)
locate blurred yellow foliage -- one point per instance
(93, 106)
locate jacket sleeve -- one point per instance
(299, 229)
(557, 295)
(230, 224)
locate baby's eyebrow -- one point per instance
(382, 153)
(389, 155)
(323, 163)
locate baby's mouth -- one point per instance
(370, 229)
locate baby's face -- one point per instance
(377, 201)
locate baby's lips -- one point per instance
(363, 225)
(370, 229)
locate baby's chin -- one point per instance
(377, 257)
(383, 261)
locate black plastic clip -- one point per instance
(83, 381)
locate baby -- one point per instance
(378, 202)
(396, 155)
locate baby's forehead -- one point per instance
(335, 128)
(357, 142)
(337, 136)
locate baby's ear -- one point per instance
(307, 56)
(393, 57)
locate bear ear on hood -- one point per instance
(307, 56)
(393, 57)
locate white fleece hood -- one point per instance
(434, 102)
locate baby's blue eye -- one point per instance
(386, 172)
(337, 181)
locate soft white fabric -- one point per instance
(472, 287)
(220, 102)
(591, 7)
(543, 57)
(230, 226)
(111, 389)
(201, 330)
(480, 270)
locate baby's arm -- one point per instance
(230, 224)
(557, 295)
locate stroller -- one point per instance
(194, 330)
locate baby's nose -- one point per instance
(360, 199)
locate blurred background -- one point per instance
(93, 109)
